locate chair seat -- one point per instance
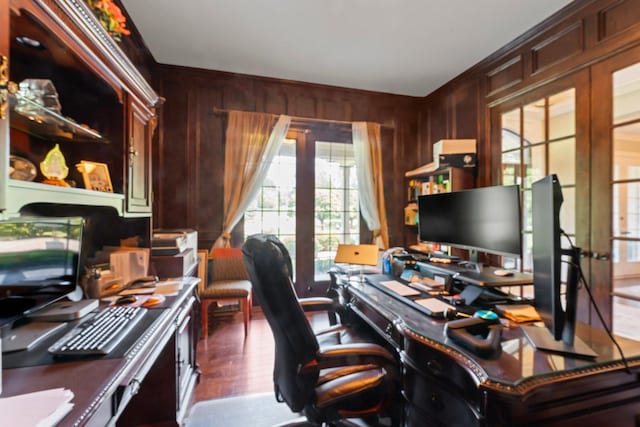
(220, 290)
(227, 289)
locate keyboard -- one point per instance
(99, 334)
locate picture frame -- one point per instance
(95, 176)
(203, 260)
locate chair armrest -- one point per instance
(350, 354)
(317, 304)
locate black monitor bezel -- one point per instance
(515, 250)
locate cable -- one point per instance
(578, 267)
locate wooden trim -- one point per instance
(298, 120)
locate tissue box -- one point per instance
(459, 153)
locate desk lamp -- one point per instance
(357, 255)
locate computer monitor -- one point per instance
(39, 262)
(558, 334)
(484, 219)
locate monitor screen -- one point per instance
(39, 260)
(483, 219)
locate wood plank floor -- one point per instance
(231, 365)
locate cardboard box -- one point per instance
(460, 153)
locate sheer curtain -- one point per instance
(368, 158)
(253, 139)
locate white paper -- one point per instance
(400, 288)
(41, 408)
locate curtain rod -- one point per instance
(217, 110)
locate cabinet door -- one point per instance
(139, 197)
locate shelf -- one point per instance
(48, 124)
(21, 193)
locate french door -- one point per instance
(310, 201)
(539, 135)
(616, 188)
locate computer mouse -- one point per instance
(126, 299)
(503, 273)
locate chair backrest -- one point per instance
(227, 264)
(269, 266)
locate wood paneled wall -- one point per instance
(581, 34)
(189, 147)
(189, 151)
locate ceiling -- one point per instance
(405, 47)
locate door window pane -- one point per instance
(562, 115)
(534, 121)
(535, 163)
(336, 211)
(626, 94)
(562, 160)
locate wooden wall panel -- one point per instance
(507, 74)
(618, 17)
(559, 47)
(191, 138)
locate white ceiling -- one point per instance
(406, 47)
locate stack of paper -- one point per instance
(518, 313)
(41, 408)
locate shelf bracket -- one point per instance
(6, 86)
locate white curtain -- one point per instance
(368, 159)
(252, 141)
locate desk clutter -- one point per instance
(474, 315)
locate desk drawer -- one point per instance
(431, 399)
(380, 323)
(426, 360)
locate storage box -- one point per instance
(173, 266)
(460, 153)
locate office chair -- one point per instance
(331, 383)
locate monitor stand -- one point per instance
(541, 339)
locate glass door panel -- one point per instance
(625, 199)
(546, 145)
(336, 207)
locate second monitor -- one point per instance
(484, 219)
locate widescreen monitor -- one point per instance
(484, 219)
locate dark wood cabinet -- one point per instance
(139, 193)
(97, 108)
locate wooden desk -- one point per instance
(445, 383)
(148, 379)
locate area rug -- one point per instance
(255, 410)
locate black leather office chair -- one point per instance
(329, 383)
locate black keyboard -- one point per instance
(99, 334)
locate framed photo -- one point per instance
(203, 256)
(95, 176)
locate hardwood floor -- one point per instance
(231, 365)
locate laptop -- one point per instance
(357, 254)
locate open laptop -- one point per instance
(357, 254)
